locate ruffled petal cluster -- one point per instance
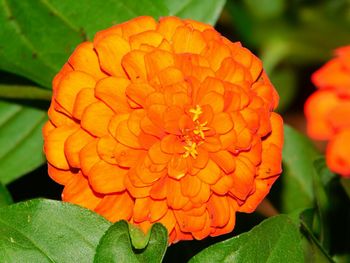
(328, 110)
(164, 122)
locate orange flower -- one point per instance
(164, 122)
(327, 110)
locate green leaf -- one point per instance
(276, 239)
(345, 182)
(138, 239)
(206, 11)
(298, 171)
(5, 196)
(37, 37)
(20, 139)
(285, 82)
(313, 249)
(115, 245)
(49, 231)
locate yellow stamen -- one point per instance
(200, 129)
(191, 150)
(196, 112)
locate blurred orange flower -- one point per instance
(164, 122)
(327, 110)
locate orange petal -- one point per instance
(84, 59)
(317, 109)
(107, 178)
(233, 72)
(211, 144)
(54, 146)
(157, 156)
(74, 144)
(141, 210)
(69, 87)
(219, 211)
(171, 144)
(134, 121)
(201, 160)
(225, 160)
(170, 76)
(203, 195)
(248, 60)
(222, 122)
(223, 185)
(168, 220)
(110, 50)
(332, 75)
(339, 116)
(47, 128)
(243, 178)
(151, 38)
(214, 100)
(158, 60)
(190, 185)
(188, 40)
(88, 157)
(112, 92)
(78, 191)
(57, 79)
(138, 92)
(115, 121)
(205, 231)
(116, 207)
(230, 224)
(146, 141)
(151, 128)
(136, 192)
(175, 199)
(96, 118)
(189, 223)
(58, 175)
(149, 172)
(138, 25)
(197, 25)
(338, 153)
(210, 174)
(84, 98)
(158, 209)
(228, 139)
(58, 118)
(126, 156)
(105, 149)
(255, 152)
(177, 167)
(159, 189)
(215, 53)
(262, 188)
(168, 25)
(134, 65)
(126, 137)
(271, 162)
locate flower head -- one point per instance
(164, 122)
(327, 110)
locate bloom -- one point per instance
(327, 110)
(164, 122)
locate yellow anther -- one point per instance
(191, 150)
(200, 129)
(196, 112)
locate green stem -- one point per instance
(24, 92)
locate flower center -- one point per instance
(196, 136)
